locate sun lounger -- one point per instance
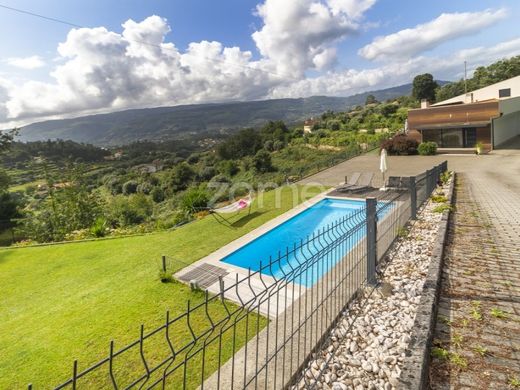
(362, 184)
(350, 181)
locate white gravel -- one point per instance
(370, 354)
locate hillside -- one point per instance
(164, 123)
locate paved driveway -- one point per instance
(502, 167)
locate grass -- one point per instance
(67, 301)
(439, 199)
(442, 208)
(458, 360)
(482, 351)
(440, 353)
(514, 383)
(498, 313)
(476, 314)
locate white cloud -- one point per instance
(355, 9)
(298, 35)
(29, 63)
(412, 41)
(106, 70)
(352, 81)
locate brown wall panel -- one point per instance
(461, 113)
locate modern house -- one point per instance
(490, 116)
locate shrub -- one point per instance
(99, 227)
(445, 177)
(228, 167)
(132, 210)
(269, 145)
(194, 199)
(157, 194)
(278, 145)
(400, 145)
(130, 187)
(427, 148)
(442, 208)
(439, 199)
(207, 173)
(144, 188)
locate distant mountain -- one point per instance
(177, 122)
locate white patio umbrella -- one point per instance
(383, 167)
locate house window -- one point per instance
(506, 92)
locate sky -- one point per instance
(109, 55)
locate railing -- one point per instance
(322, 165)
(283, 311)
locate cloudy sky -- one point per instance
(117, 54)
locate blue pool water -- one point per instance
(305, 224)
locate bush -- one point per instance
(144, 188)
(125, 211)
(130, 187)
(207, 173)
(427, 148)
(400, 145)
(194, 199)
(99, 227)
(228, 167)
(157, 194)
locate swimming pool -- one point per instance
(308, 222)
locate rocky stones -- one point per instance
(368, 353)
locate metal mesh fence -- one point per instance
(259, 330)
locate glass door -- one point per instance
(452, 138)
(470, 137)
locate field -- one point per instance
(67, 301)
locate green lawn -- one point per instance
(67, 301)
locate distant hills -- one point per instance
(166, 123)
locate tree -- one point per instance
(6, 138)
(482, 77)
(157, 194)
(424, 87)
(245, 143)
(371, 99)
(262, 161)
(274, 131)
(69, 206)
(181, 177)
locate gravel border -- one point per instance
(366, 349)
(414, 374)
